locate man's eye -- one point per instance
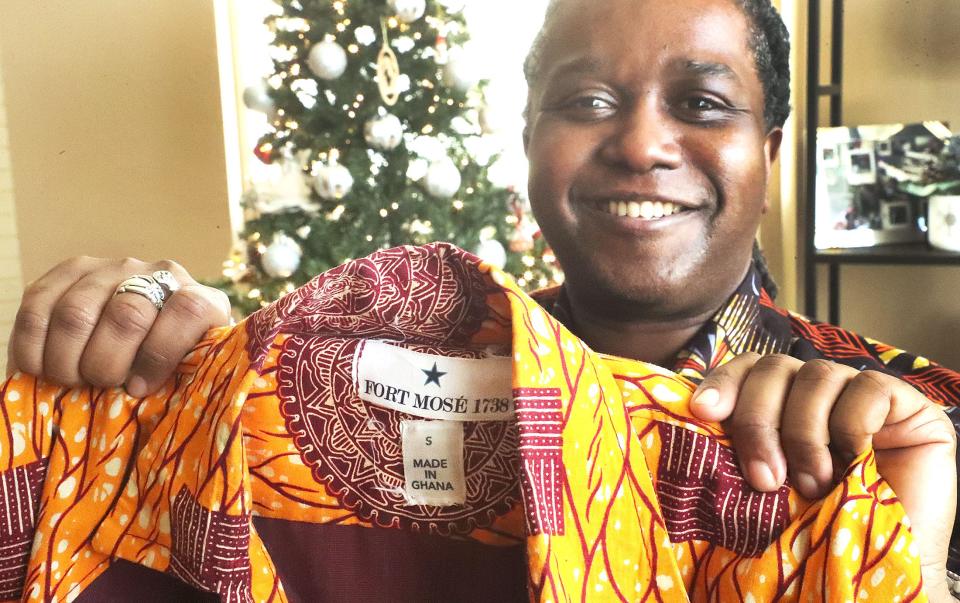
(702, 103)
(591, 103)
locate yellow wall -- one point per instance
(902, 64)
(115, 131)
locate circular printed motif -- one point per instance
(354, 449)
(430, 294)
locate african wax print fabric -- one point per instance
(593, 465)
(750, 321)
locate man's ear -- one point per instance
(771, 150)
(771, 146)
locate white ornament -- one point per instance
(256, 98)
(384, 132)
(282, 257)
(285, 190)
(460, 73)
(332, 181)
(408, 11)
(443, 179)
(452, 6)
(327, 60)
(365, 35)
(492, 252)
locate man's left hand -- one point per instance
(810, 419)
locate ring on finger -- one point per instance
(145, 286)
(167, 282)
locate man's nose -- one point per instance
(646, 140)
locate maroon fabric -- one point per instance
(319, 563)
(354, 563)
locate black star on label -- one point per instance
(433, 375)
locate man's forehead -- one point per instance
(710, 32)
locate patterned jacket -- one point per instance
(412, 427)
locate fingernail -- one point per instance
(707, 397)
(807, 485)
(137, 386)
(762, 476)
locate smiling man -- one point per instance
(651, 130)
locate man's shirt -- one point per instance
(412, 426)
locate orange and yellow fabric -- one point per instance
(417, 404)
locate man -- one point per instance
(651, 131)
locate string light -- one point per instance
(427, 129)
(395, 206)
(353, 49)
(392, 23)
(528, 261)
(458, 205)
(341, 27)
(383, 213)
(431, 109)
(369, 238)
(254, 294)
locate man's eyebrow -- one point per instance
(580, 65)
(710, 69)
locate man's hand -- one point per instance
(809, 420)
(71, 329)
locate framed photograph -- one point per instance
(873, 182)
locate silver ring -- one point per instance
(144, 285)
(167, 282)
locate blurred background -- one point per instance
(123, 132)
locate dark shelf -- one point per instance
(905, 253)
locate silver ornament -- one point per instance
(443, 179)
(452, 6)
(282, 257)
(492, 252)
(327, 60)
(459, 73)
(384, 132)
(332, 181)
(408, 11)
(257, 98)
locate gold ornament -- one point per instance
(388, 71)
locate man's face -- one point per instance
(648, 153)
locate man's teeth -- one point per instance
(647, 210)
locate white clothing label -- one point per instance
(434, 387)
(433, 463)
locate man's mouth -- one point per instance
(646, 210)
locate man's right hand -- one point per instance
(71, 329)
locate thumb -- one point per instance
(716, 397)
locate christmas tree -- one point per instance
(377, 121)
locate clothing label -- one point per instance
(433, 463)
(434, 387)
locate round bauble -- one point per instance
(257, 98)
(443, 179)
(460, 73)
(332, 181)
(384, 132)
(327, 60)
(282, 257)
(492, 252)
(408, 11)
(452, 6)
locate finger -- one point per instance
(25, 349)
(754, 427)
(186, 316)
(716, 397)
(113, 343)
(126, 322)
(805, 432)
(861, 411)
